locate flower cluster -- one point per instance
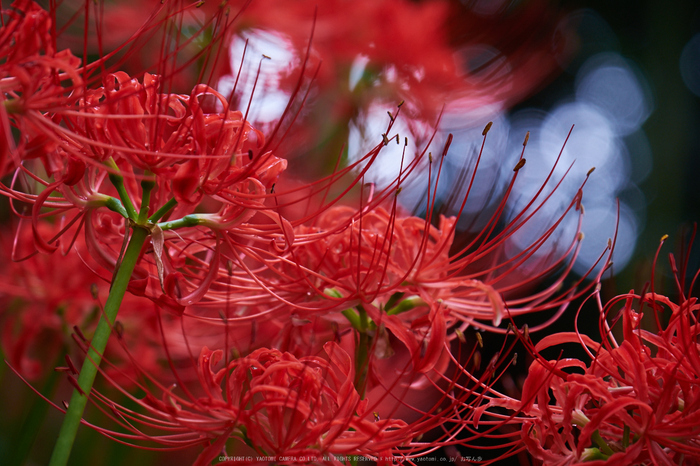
(635, 402)
(253, 311)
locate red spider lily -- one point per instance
(279, 404)
(392, 289)
(184, 154)
(634, 403)
(384, 270)
(33, 77)
(37, 307)
(28, 33)
(190, 152)
(187, 156)
(121, 121)
(389, 288)
(171, 136)
(426, 54)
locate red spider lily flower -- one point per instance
(185, 156)
(280, 405)
(194, 149)
(192, 153)
(636, 401)
(171, 136)
(381, 283)
(390, 288)
(34, 77)
(430, 55)
(28, 32)
(373, 268)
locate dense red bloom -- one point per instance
(279, 404)
(191, 145)
(34, 77)
(128, 130)
(402, 272)
(384, 294)
(27, 34)
(162, 133)
(636, 402)
(191, 152)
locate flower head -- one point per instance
(635, 402)
(279, 404)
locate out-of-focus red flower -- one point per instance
(430, 55)
(34, 78)
(427, 53)
(42, 299)
(28, 32)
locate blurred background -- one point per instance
(636, 76)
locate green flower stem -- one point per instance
(115, 205)
(602, 444)
(186, 221)
(147, 186)
(364, 319)
(362, 353)
(74, 414)
(362, 363)
(362, 324)
(352, 317)
(395, 298)
(349, 314)
(118, 182)
(593, 454)
(406, 305)
(163, 210)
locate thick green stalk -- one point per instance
(118, 182)
(74, 414)
(362, 353)
(405, 305)
(187, 221)
(602, 444)
(147, 186)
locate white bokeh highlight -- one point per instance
(273, 54)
